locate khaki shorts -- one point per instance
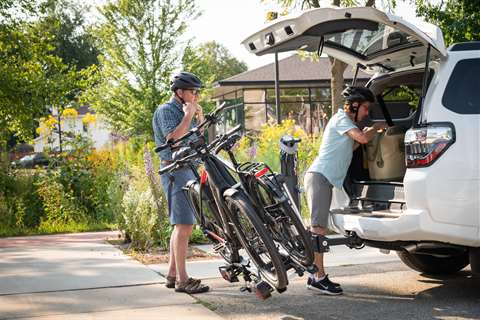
(318, 191)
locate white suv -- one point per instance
(430, 214)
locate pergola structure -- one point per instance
(304, 87)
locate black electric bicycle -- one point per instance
(284, 223)
(274, 207)
(230, 219)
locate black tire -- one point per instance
(211, 220)
(429, 264)
(287, 228)
(256, 240)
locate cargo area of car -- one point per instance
(374, 181)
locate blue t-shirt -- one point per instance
(336, 150)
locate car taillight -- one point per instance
(423, 146)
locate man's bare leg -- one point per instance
(182, 235)
(172, 269)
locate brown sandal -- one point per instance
(191, 286)
(170, 282)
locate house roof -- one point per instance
(82, 110)
(293, 70)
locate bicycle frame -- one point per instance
(219, 182)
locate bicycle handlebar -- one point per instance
(226, 139)
(209, 119)
(177, 163)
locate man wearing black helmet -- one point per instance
(171, 121)
(329, 169)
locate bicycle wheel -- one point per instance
(212, 224)
(256, 240)
(286, 227)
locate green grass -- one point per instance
(70, 228)
(206, 304)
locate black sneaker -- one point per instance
(310, 281)
(324, 286)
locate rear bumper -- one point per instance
(412, 225)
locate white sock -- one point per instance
(320, 278)
(313, 277)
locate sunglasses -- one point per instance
(195, 92)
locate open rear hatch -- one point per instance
(378, 41)
(364, 37)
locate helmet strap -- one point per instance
(354, 110)
(178, 97)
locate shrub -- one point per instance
(145, 224)
(60, 207)
(20, 205)
(140, 217)
(266, 148)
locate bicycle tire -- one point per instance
(212, 220)
(256, 241)
(287, 228)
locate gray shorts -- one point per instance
(318, 191)
(180, 209)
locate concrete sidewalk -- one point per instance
(80, 276)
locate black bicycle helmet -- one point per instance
(357, 94)
(185, 80)
(353, 94)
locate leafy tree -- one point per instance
(139, 40)
(65, 21)
(33, 78)
(11, 9)
(211, 61)
(458, 19)
(24, 62)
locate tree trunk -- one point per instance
(4, 161)
(336, 83)
(338, 68)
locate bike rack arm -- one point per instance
(322, 243)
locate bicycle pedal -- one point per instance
(228, 274)
(263, 290)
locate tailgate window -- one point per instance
(371, 41)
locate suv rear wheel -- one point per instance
(434, 265)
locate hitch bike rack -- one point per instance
(253, 283)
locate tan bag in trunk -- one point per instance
(386, 155)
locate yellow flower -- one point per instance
(50, 122)
(89, 119)
(70, 113)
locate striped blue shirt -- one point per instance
(165, 119)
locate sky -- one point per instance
(229, 22)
